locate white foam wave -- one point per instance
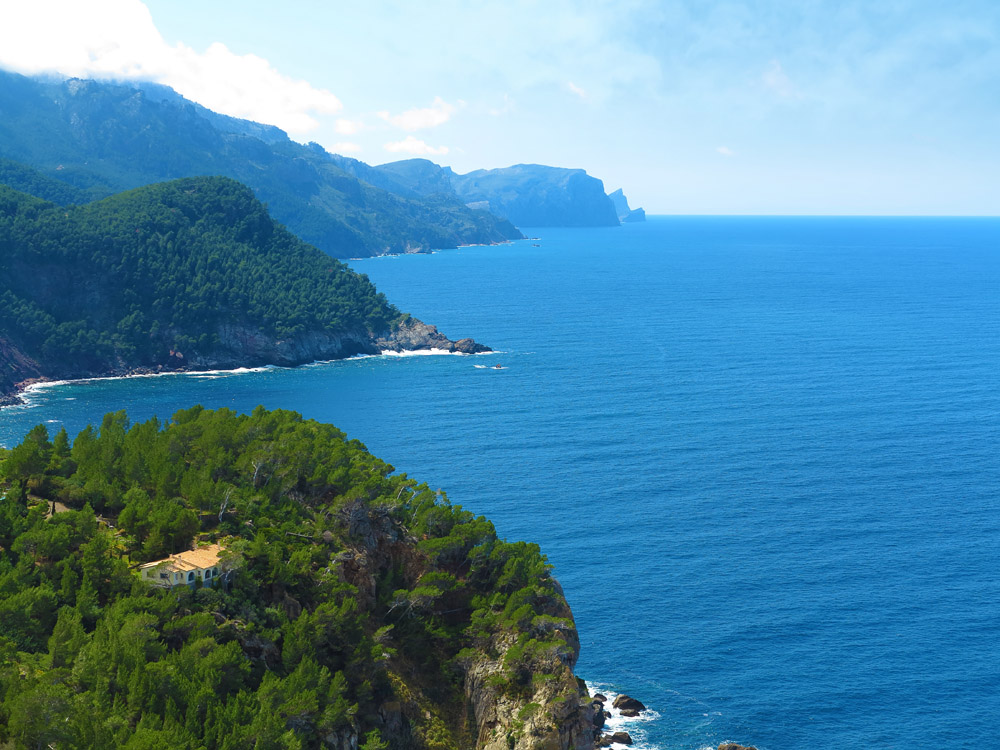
(615, 722)
(36, 389)
(420, 353)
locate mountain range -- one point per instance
(92, 139)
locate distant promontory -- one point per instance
(186, 275)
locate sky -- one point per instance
(692, 107)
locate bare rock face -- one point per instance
(412, 334)
(734, 746)
(627, 703)
(554, 713)
(15, 367)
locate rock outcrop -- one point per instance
(625, 214)
(627, 703)
(411, 335)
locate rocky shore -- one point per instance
(239, 346)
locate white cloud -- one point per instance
(576, 90)
(345, 148)
(725, 151)
(775, 78)
(438, 113)
(348, 127)
(411, 145)
(117, 39)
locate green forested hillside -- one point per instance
(178, 273)
(102, 138)
(359, 607)
(27, 180)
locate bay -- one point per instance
(761, 454)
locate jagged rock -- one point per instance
(734, 746)
(600, 698)
(627, 703)
(600, 715)
(618, 738)
(468, 346)
(625, 214)
(412, 334)
(629, 712)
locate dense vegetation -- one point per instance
(102, 138)
(152, 276)
(355, 598)
(27, 180)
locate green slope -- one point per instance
(175, 274)
(103, 138)
(358, 606)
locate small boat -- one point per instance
(497, 367)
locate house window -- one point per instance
(164, 576)
(190, 576)
(208, 574)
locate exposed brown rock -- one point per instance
(627, 703)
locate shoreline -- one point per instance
(25, 388)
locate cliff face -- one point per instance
(553, 713)
(625, 214)
(540, 196)
(543, 709)
(524, 194)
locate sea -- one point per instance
(762, 455)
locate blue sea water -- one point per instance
(762, 454)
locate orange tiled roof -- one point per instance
(194, 559)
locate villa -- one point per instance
(184, 568)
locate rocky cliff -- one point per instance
(537, 705)
(625, 214)
(524, 194)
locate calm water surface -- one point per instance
(762, 455)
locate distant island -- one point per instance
(327, 603)
(185, 275)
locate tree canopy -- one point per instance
(353, 603)
(149, 277)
